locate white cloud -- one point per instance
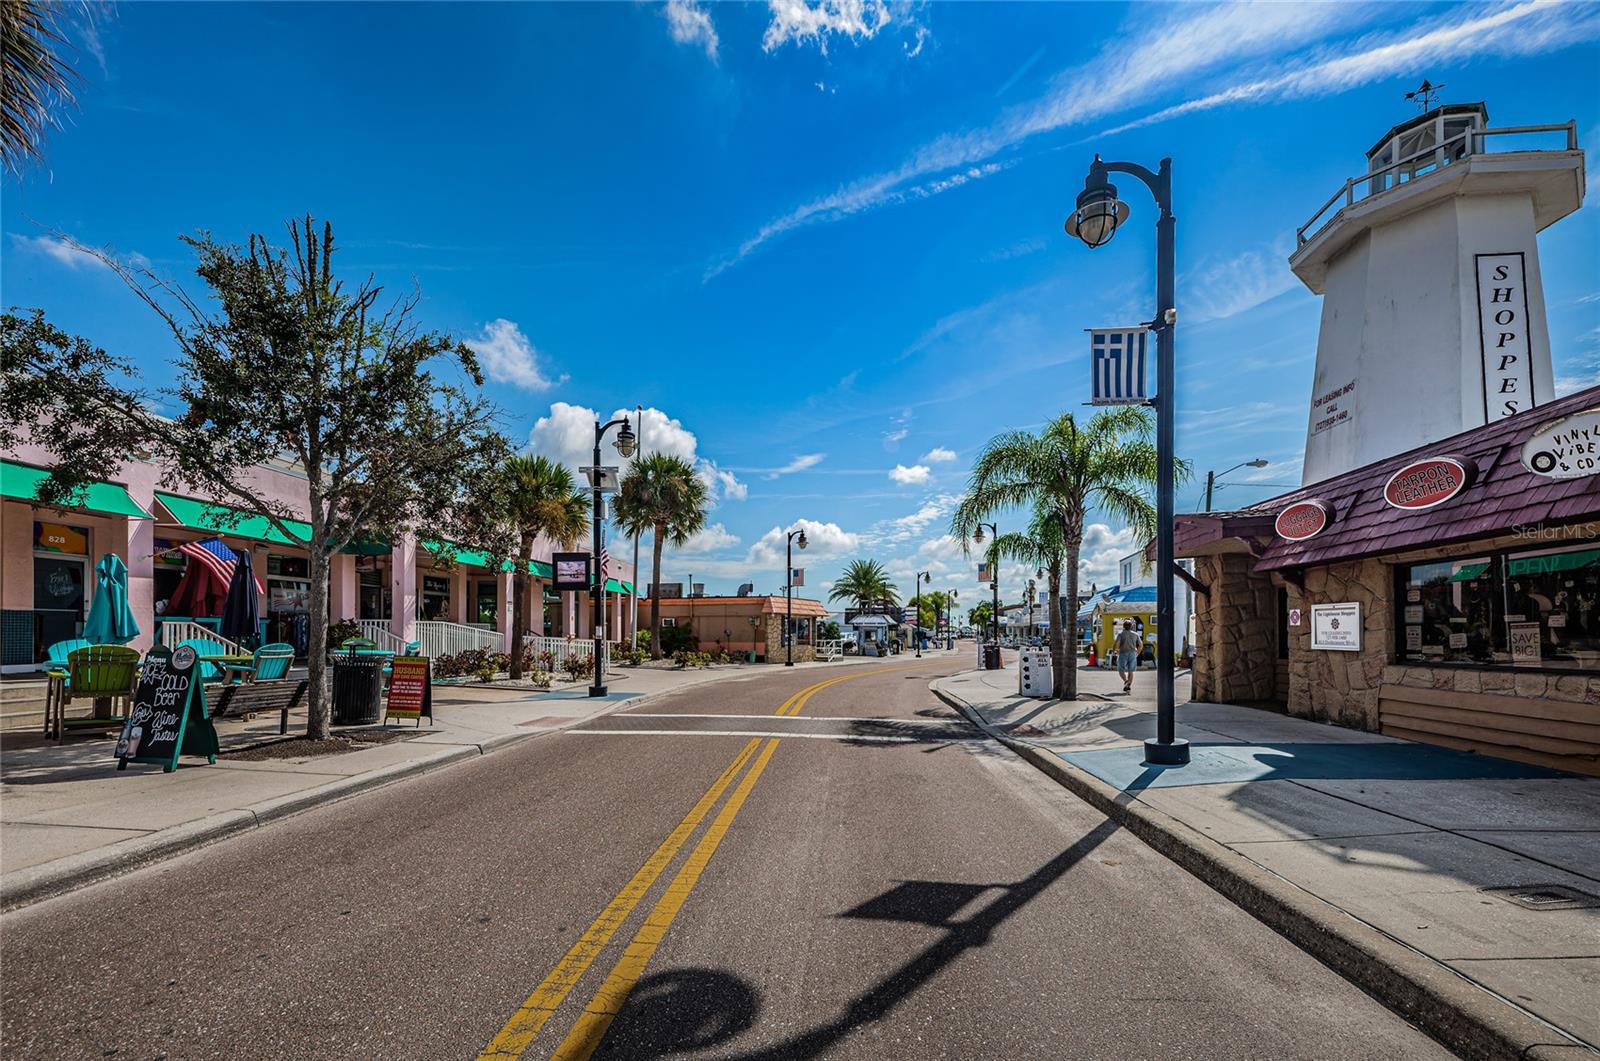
(732, 488)
(799, 464)
(938, 454)
(1128, 71)
(1221, 288)
(944, 547)
(710, 539)
(803, 22)
(823, 541)
(1523, 29)
(690, 23)
(508, 356)
(899, 428)
(567, 435)
(67, 253)
(1103, 548)
(917, 473)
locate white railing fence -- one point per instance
(377, 631)
(827, 651)
(560, 648)
(447, 639)
(1457, 148)
(175, 632)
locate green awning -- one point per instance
(474, 558)
(1469, 572)
(20, 482)
(1552, 562)
(223, 519)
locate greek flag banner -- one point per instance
(1118, 366)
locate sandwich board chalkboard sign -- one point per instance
(410, 689)
(169, 712)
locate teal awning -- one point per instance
(475, 558)
(1469, 572)
(20, 482)
(1550, 563)
(224, 519)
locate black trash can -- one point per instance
(357, 690)
(991, 657)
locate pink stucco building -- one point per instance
(47, 559)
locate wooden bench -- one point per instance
(241, 701)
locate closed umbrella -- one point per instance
(110, 619)
(241, 612)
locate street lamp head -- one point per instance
(1257, 463)
(977, 535)
(801, 541)
(1098, 211)
(626, 439)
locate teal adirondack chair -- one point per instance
(98, 672)
(204, 646)
(271, 664)
(56, 655)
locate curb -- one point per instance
(35, 884)
(1469, 1019)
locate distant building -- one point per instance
(742, 625)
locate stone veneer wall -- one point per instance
(1342, 687)
(1236, 650)
(803, 653)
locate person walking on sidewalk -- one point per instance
(1127, 648)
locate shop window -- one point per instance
(1554, 595)
(288, 566)
(1537, 608)
(1448, 612)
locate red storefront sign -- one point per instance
(1304, 519)
(1427, 482)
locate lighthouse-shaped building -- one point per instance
(1437, 575)
(1433, 315)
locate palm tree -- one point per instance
(33, 78)
(662, 494)
(541, 499)
(1062, 474)
(867, 584)
(1043, 547)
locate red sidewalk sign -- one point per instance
(410, 689)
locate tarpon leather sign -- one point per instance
(1427, 482)
(1304, 519)
(1565, 449)
(169, 712)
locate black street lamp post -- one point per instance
(1212, 477)
(1095, 220)
(788, 594)
(916, 627)
(597, 588)
(994, 576)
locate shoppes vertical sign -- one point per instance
(1503, 332)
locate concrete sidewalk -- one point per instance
(1462, 890)
(69, 817)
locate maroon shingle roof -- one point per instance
(1504, 494)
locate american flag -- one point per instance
(605, 561)
(1117, 361)
(216, 556)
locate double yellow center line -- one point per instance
(519, 1032)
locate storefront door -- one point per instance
(58, 600)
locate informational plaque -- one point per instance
(1336, 627)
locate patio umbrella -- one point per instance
(241, 612)
(110, 619)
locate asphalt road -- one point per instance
(876, 881)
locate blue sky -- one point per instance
(825, 241)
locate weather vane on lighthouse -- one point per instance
(1426, 95)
